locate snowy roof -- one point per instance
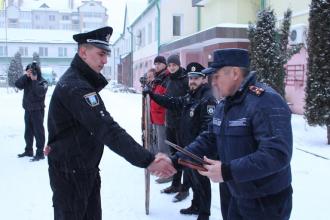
(221, 25)
(37, 35)
(53, 5)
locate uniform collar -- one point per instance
(239, 96)
(97, 80)
(200, 91)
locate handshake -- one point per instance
(162, 166)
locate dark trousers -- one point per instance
(225, 198)
(172, 135)
(186, 181)
(201, 188)
(34, 127)
(271, 207)
(76, 196)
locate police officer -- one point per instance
(197, 108)
(79, 126)
(251, 133)
(35, 88)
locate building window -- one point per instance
(62, 52)
(149, 33)
(177, 25)
(52, 17)
(65, 17)
(37, 17)
(3, 51)
(23, 51)
(143, 37)
(43, 51)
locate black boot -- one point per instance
(181, 196)
(164, 180)
(26, 154)
(192, 210)
(38, 157)
(171, 189)
(203, 217)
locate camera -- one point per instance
(143, 81)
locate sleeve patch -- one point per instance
(92, 99)
(210, 109)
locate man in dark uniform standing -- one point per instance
(197, 108)
(177, 86)
(35, 88)
(79, 126)
(252, 135)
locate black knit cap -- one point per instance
(98, 38)
(174, 58)
(160, 59)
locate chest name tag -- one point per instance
(92, 99)
(242, 122)
(216, 121)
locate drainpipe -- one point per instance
(158, 26)
(262, 4)
(198, 19)
(132, 68)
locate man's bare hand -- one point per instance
(47, 150)
(28, 73)
(213, 170)
(162, 166)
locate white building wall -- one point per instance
(182, 8)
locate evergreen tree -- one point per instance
(15, 69)
(36, 58)
(317, 108)
(269, 50)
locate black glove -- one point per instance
(146, 90)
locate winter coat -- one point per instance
(34, 92)
(196, 109)
(79, 125)
(158, 87)
(251, 132)
(177, 86)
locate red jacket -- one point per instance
(159, 87)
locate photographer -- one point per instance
(35, 88)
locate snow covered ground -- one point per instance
(24, 186)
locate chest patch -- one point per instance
(191, 113)
(210, 109)
(216, 121)
(92, 99)
(242, 122)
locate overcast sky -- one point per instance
(116, 11)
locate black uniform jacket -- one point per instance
(196, 109)
(177, 85)
(79, 125)
(34, 92)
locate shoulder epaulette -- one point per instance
(256, 90)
